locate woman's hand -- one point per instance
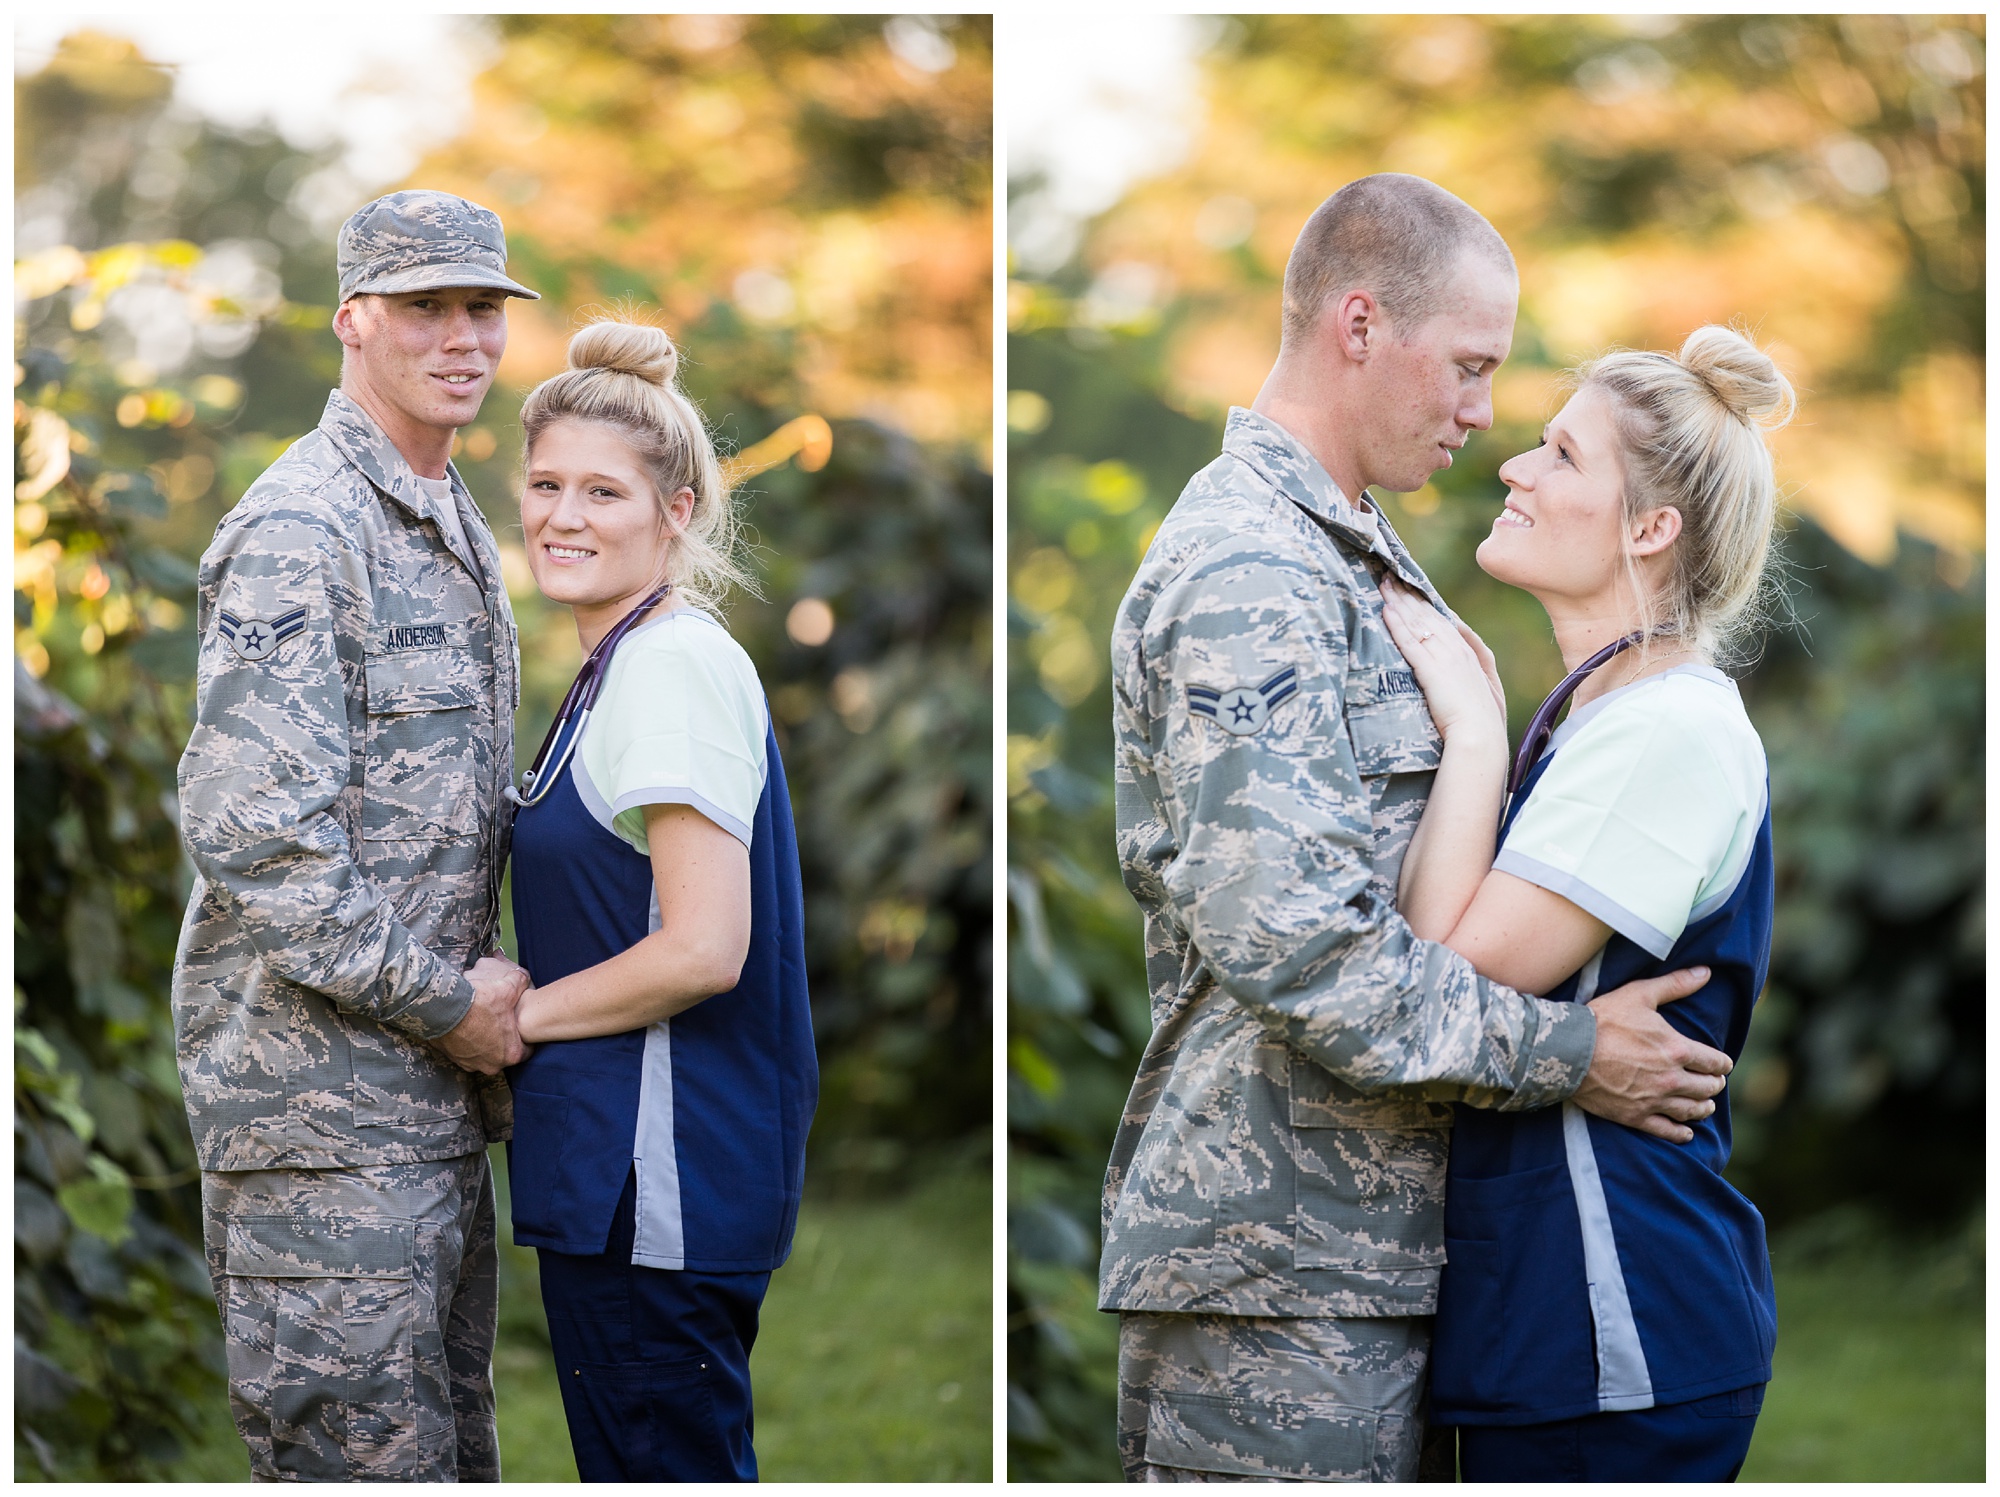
(1461, 682)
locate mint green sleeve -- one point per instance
(681, 722)
(1638, 815)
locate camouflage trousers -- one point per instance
(358, 1311)
(1250, 1398)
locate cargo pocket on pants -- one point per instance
(326, 1322)
(1231, 1437)
(644, 1421)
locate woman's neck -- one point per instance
(595, 620)
(1582, 630)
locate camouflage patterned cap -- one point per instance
(419, 240)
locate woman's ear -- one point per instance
(1654, 531)
(680, 508)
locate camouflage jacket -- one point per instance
(341, 801)
(1282, 1151)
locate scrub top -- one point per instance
(710, 1107)
(1591, 1267)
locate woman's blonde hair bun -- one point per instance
(1741, 375)
(1693, 432)
(626, 348)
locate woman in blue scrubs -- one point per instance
(1606, 1309)
(660, 1122)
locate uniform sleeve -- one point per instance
(1272, 874)
(1631, 820)
(271, 751)
(684, 725)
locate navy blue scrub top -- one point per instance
(710, 1107)
(1591, 1267)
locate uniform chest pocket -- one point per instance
(421, 776)
(1393, 736)
(1370, 1173)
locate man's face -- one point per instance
(429, 354)
(1433, 386)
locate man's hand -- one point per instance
(488, 1038)
(1644, 1073)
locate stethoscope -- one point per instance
(582, 696)
(1542, 726)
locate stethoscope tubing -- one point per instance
(1541, 727)
(579, 699)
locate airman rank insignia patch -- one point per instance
(256, 639)
(1244, 709)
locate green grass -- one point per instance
(1881, 1365)
(874, 1361)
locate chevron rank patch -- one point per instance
(256, 639)
(1244, 709)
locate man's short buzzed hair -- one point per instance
(1396, 236)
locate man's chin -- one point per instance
(457, 413)
(1406, 483)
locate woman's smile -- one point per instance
(1510, 515)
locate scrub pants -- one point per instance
(1705, 1440)
(654, 1363)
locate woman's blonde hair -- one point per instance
(1693, 431)
(623, 375)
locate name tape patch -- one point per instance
(1242, 710)
(416, 637)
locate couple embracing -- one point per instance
(351, 1036)
(1422, 1170)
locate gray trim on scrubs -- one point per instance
(1622, 1379)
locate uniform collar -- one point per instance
(1282, 461)
(362, 442)
(355, 433)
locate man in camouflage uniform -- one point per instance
(341, 1014)
(1273, 1207)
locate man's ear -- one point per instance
(344, 327)
(1354, 323)
(1654, 531)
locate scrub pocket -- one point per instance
(534, 1162)
(1498, 1328)
(645, 1421)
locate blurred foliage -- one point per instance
(1820, 180)
(173, 293)
(816, 188)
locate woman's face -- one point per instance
(591, 519)
(1562, 532)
